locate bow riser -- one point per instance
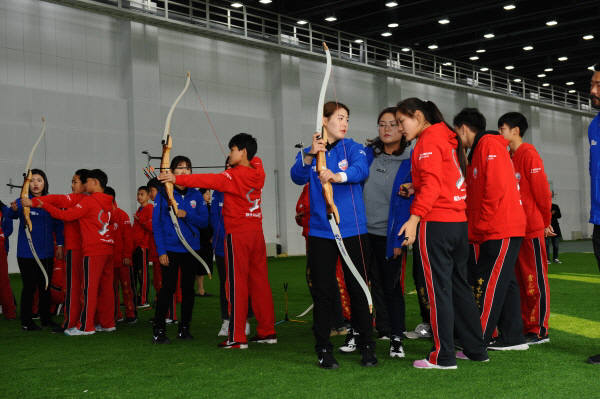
(327, 187)
(25, 195)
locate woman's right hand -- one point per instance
(318, 145)
(164, 260)
(406, 190)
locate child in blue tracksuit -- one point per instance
(347, 168)
(387, 211)
(45, 228)
(172, 255)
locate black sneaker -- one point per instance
(31, 326)
(184, 333)
(350, 342)
(534, 339)
(500, 345)
(160, 337)
(594, 359)
(368, 356)
(131, 320)
(396, 349)
(327, 361)
(267, 339)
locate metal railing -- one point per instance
(259, 24)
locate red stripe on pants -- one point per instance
(98, 294)
(491, 285)
(430, 291)
(122, 277)
(74, 265)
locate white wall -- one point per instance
(105, 86)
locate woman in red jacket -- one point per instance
(438, 223)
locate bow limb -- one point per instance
(332, 212)
(26, 210)
(167, 143)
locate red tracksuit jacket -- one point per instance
(303, 206)
(94, 214)
(440, 189)
(142, 227)
(534, 187)
(72, 231)
(494, 209)
(121, 229)
(241, 187)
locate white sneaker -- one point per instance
(423, 330)
(76, 331)
(99, 328)
(224, 329)
(247, 332)
(396, 349)
(350, 342)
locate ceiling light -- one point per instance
(545, 84)
(484, 69)
(393, 25)
(359, 41)
(474, 58)
(489, 35)
(563, 58)
(570, 83)
(541, 75)
(405, 49)
(432, 46)
(237, 5)
(481, 50)
(302, 22)
(509, 67)
(548, 69)
(391, 4)
(331, 18)
(588, 37)
(386, 34)
(447, 64)
(528, 48)
(265, 1)
(443, 21)
(572, 91)
(552, 23)
(517, 80)
(509, 7)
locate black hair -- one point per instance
(180, 159)
(597, 67)
(472, 118)
(377, 145)
(514, 119)
(331, 106)
(145, 188)
(154, 183)
(432, 115)
(98, 175)
(44, 177)
(110, 191)
(83, 174)
(244, 141)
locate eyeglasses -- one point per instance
(383, 125)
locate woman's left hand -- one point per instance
(409, 229)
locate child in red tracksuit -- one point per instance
(123, 248)
(73, 251)
(245, 250)
(439, 211)
(94, 213)
(142, 237)
(7, 300)
(496, 230)
(532, 264)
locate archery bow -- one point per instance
(167, 144)
(26, 210)
(332, 211)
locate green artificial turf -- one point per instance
(126, 364)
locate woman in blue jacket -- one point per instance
(347, 168)
(387, 210)
(172, 255)
(45, 230)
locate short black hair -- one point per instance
(83, 174)
(99, 175)
(145, 188)
(110, 191)
(597, 67)
(154, 183)
(514, 119)
(472, 118)
(244, 141)
(179, 159)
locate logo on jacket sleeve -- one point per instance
(593, 142)
(424, 155)
(193, 203)
(343, 164)
(518, 176)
